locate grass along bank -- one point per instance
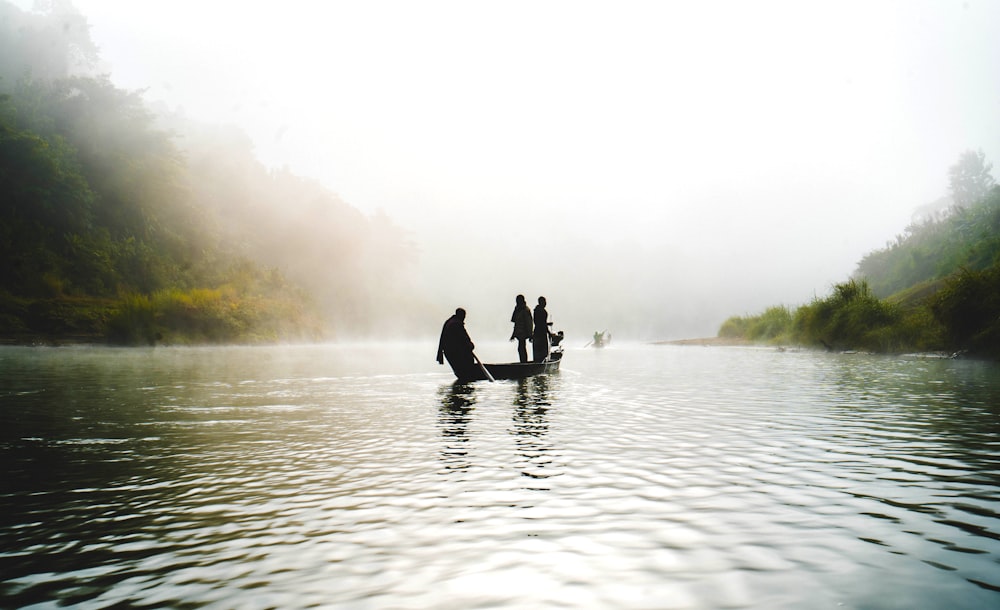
(961, 315)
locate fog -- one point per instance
(651, 168)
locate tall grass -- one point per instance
(851, 317)
(968, 308)
(133, 321)
(773, 326)
(204, 315)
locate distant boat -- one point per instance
(601, 339)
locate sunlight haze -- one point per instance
(655, 165)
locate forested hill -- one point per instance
(936, 287)
(963, 233)
(120, 224)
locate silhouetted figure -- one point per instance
(456, 346)
(540, 338)
(522, 327)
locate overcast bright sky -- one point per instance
(784, 139)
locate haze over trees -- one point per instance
(935, 287)
(134, 223)
(970, 179)
(119, 222)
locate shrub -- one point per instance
(203, 315)
(851, 318)
(133, 322)
(772, 326)
(735, 327)
(968, 307)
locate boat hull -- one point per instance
(519, 370)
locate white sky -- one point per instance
(773, 142)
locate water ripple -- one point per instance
(637, 478)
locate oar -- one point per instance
(483, 366)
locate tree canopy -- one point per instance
(970, 179)
(129, 215)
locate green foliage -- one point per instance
(108, 226)
(60, 318)
(45, 201)
(943, 271)
(968, 307)
(133, 321)
(942, 281)
(851, 317)
(970, 179)
(772, 326)
(932, 250)
(918, 331)
(735, 327)
(202, 315)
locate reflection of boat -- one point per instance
(457, 404)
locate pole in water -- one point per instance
(483, 367)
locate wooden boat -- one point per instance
(600, 340)
(519, 370)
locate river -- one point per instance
(361, 476)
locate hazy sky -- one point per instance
(769, 145)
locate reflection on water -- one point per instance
(530, 404)
(531, 425)
(457, 404)
(360, 477)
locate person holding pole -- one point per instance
(456, 345)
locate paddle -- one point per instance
(483, 366)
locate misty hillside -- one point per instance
(117, 222)
(936, 287)
(963, 235)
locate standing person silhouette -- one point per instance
(540, 338)
(456, 346)
(522, 327)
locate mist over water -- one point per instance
(362, 476)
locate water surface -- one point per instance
(361, 476)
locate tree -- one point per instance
(970, 179)
(52, 41)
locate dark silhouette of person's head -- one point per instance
(460, 313)
(520, 299)
(541, 301)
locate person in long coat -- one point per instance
(522, 327)
(540, 338)
(456, 345)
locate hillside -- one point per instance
(936, 287)
(121, 224)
